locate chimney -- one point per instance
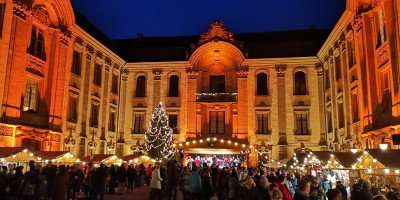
(140, 35)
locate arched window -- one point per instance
(141, 86)
(262, 84)
(173, 86)
(300, 87)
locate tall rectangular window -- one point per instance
(76, 63)
(217, 122)
(337, 67)
(73, 109)
(114, 84)
(112, 126)
(97, 75)
(302, 124)
(139, 123)
(94, 116)
(386, 94)
(141, 86)
(327, 79)
(382, 28)
(341, 115)
(2, 13)
(352, 57)
(173, 122)
(354, 101)
(36, 47)
(31, 95)
(262, 122)
(329, 121)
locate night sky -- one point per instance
(120, 19)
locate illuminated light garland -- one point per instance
(158, 137)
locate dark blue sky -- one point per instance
(120, 19)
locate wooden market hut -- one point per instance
(138, 159)
(56, 156)
(106, 159)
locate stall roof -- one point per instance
(9, 151)
(386, 157)
(323, 156)
(347, 159)
(131, 157)
(48, 155)
(300, 157)
(96, 158)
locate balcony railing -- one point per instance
(216, 97)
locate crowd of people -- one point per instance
(167, 181)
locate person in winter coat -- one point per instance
(60, 187)
(276, 194)
(342, 189)
(234, 186)
(280, 181)
(195, 184)
(365, 192)
(248, 190)
(316, 191)
(155, 184)
(132, 174)
(206, 186)
(263, 189)
(149, 171)
(113, 180)
(184, 183)
(357, 188)
(173, 180)
(334, 194)
(303, 189)
(121, 174)
(225, 184)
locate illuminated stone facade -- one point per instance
(361, 81)
(67, 89)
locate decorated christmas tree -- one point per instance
(158, 137)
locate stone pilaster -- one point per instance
(122, 114)
(321, 96)
(191, 101)
(85, 101)
(241, 75)
(105, 107)
(281, 104)
(156, 86)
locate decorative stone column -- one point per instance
(281, 104)
(191, 101)
(321, 96)
(242, 120)
(156, 86)
(122, 112)
(105, 96)
(86, 101)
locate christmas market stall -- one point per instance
(341, 167)
(380, 167)
(17, 156)
(298, 163)
(138, 159)
(96, 159)
(56, 157)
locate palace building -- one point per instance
(361, 77)
(65, 86)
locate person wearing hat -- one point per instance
(316, 191)
(248, 190)
(334, 194)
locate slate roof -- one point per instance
(280, 44)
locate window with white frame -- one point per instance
(31, 95)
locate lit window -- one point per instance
(31, 95)
(382, 28)
(173, 123)
(36, 47)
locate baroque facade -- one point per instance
(66, 86)
(361, 79)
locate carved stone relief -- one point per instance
(280, 69)
(191, 74)
(41, 15)
(89, 53)
(157, 73)
(217, 31)
(357, 23)
(242, 72)
(20, 9)
(382, 55)
(35, 64)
